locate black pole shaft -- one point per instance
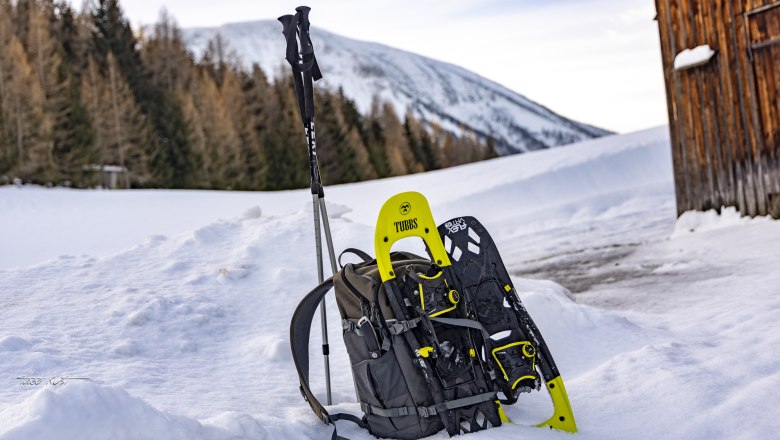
(318, 202)
(316, 206)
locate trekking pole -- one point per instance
(300, 55)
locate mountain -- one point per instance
(436, 92)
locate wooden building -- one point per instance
(724, 110)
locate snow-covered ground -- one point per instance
(176, 304)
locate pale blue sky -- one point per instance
(596, 61)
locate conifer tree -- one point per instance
(119, 124)
(337, 161)
(232, 94)
(420, 143)
(168, 148)
(257, 96)
(356, 135)
(222, 144)
(285, 146)
(6, 145)
(197, 138)
(219, 57)
(165, 55)
(25, 118)
(399, 155)
(51, 59)
(374, 139)
(74, 136)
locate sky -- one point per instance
(594, 61)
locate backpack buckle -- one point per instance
(426, 412)
(399, 327)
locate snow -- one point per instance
(695, 221)
(176, 304)
(693, 57)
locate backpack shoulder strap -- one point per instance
(300, 327)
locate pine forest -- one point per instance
(83, 93)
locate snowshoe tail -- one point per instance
(515, 347)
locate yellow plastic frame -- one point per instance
(563, 417)
(406, 215)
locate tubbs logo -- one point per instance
(406, 207)
(405, 225)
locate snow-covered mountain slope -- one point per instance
(185, 335)
(437, 92)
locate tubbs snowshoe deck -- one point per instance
(445, 353)
(515, 347)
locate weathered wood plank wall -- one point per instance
(725, 114)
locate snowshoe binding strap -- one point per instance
(517, 362)
(436, 297)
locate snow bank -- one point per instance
(581, 337)
(691, 222)
(88, 411)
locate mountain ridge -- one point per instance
(435, 91)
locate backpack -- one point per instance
(434, 343)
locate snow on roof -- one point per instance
(693, 57)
